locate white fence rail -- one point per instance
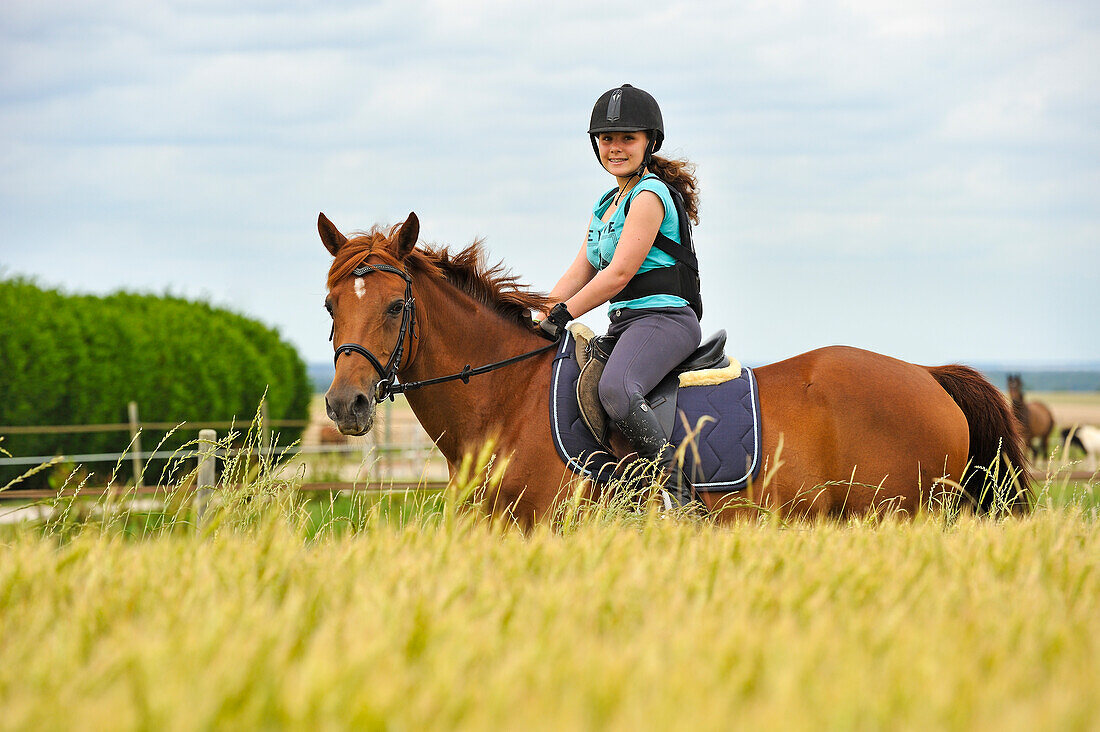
(416, 446)
(278, 452)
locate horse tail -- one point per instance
(996, 445)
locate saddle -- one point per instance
(707, 364)
(716, 416)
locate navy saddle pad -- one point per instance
(727, 444)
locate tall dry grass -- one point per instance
(273, 613)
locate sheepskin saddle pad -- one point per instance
(709, 404)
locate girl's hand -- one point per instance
(537, 316)
(556, 320)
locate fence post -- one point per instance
(208, 443)
(135, 445)
(265, 432)
(387, 426)
(372, 445)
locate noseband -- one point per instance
(388, 375)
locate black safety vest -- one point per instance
(680, 279)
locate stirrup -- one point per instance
(677, 485)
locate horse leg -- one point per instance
(1036, 441)
(1048, 429)
(1036, 437)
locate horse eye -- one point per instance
(328, 306)
(394, 308)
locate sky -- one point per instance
(918, 178)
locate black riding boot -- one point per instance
(642, 428)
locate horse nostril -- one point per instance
(361, 404)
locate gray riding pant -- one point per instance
(651, 343)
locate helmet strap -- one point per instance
(622, 191)
(648, 157)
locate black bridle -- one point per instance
(387, 382)
(388, 385)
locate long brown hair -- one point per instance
(679, 174)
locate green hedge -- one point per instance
(80, 359)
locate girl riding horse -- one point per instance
(638, 257)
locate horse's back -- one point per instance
(858, 429)
(1040, 419)
(1090, 437)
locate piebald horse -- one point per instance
(860, 432)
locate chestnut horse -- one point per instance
(1035, 418)
(860, 432)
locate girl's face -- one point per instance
(622, 152)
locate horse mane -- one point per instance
(492, 285)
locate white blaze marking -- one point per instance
(360, 288)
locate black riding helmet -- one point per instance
(627, 109)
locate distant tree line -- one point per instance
(80, 359)
(1067, 379)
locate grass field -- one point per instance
(276, 610)
(366, 614)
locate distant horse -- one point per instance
(860, 432)
(1036, 421)
(1087, 438)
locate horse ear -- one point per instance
(406, 238)
(330, 235)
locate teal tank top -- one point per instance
(603, 237)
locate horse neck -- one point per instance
(1019, 408)
(456, 330)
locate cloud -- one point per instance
(905, 145)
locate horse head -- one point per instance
(1015, 388)
(373, 318)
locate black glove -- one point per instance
(556, 320)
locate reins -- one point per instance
(466, 372)
(388, 386)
